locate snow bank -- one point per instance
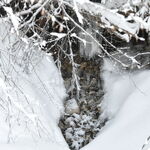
(31, 95)
(126, 104)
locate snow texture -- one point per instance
(111, 19)
(115, 3)
(13, 18)
(126, 104)
(31, 95)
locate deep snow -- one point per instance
(31, 95)
(127, 105)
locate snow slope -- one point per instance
(127, 105)
(31, 95)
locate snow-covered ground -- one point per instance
(31, 95)
(127, 105)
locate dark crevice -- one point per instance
(81, 125)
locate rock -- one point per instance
(72, 107)
(61, 124)
(91, 102)
(93, 82)
(92, 93)
(67, 83)
(81, 117)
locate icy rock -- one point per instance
(72, 107)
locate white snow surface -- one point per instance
(31, 95)
(127, 105)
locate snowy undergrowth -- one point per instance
(31, 95)
(126, 104)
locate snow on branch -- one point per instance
(117, 20)
(55, 21)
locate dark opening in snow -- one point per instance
(81, 123)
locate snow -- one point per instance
(115, 3)
(126, 104)
(80, 17)
(30, 113)
(15, 20)
(72, 106)
(7, 1)
(58, 35)
(31, 95)
(112, 19)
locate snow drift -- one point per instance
(126, 104)
(31, 95)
